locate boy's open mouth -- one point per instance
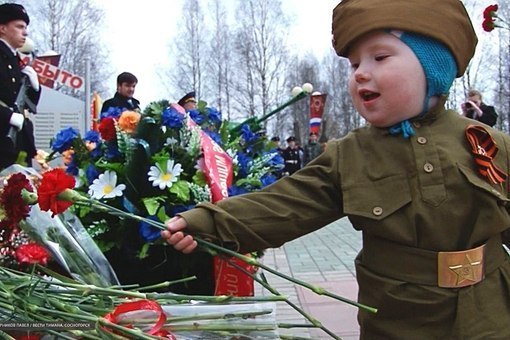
(368, 95)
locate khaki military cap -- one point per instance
(444, 20)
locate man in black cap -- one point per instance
(123, 98)
(188, 102)
(16, 130)
(292, 158)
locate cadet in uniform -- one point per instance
(188, 102)
(16, 130)
(427, 187)
(292, 157)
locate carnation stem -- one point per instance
(208, 245)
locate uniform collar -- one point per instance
(13, 50)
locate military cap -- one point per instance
(275, 139)
(446, 21)
(189, 97)
(291, 139)
(10, 12)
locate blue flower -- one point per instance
(177, 209)
(234, 190)
(112, 151)
(91, 173)
(244, 164)
(92, 136)
(64, 139)
(215, 136)
(172, 118)
(148, 232)
(113, 112)
(72, 168)
(214, 115)
(277, 160)
(197, 116)
(267, 179)
(247, 135)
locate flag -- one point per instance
(95, 108)
(317, 103)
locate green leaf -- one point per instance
(181, 189)
(152, 204)
(144, 251)
(199, 178)
(162, 216)
(249, 181)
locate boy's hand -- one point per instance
(175, 237)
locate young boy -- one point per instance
(428, 191)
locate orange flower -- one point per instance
(68, 156)
(128, 121)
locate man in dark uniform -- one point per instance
(188, 102)
(123, 98)
(292, 158)
(16, 130)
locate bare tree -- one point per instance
(219, 60)
(261, 54)
(187, 51)
(72, 28)
(340, 115)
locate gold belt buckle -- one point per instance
(457, 269)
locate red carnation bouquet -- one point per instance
(491, 19)
(36, 228)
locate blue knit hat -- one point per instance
(438, 65)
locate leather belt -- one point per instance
(442, 269)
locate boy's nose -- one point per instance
(361, 75)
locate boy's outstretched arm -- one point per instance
(175, 237)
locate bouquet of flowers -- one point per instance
(31, 236)
(157, 165)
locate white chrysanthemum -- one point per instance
(165, 179)
(105, 186)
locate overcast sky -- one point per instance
(138, 34)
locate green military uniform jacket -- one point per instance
(423, 193)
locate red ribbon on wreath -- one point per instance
(484, 149)
(142, 305)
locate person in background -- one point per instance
(312, 148)
(17, 81)
(123, 98)
(275, 144)
(291, 156)
(188, 102)
(476, 109)
(428, 188)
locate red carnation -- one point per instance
(53, 183)
(10, 198)
(32, 253)
(488, 25)
(490, 12)
(107, 129)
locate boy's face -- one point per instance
(387, 83)
(126, 89)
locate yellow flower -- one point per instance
(128, 121)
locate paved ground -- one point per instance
(324, 258)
